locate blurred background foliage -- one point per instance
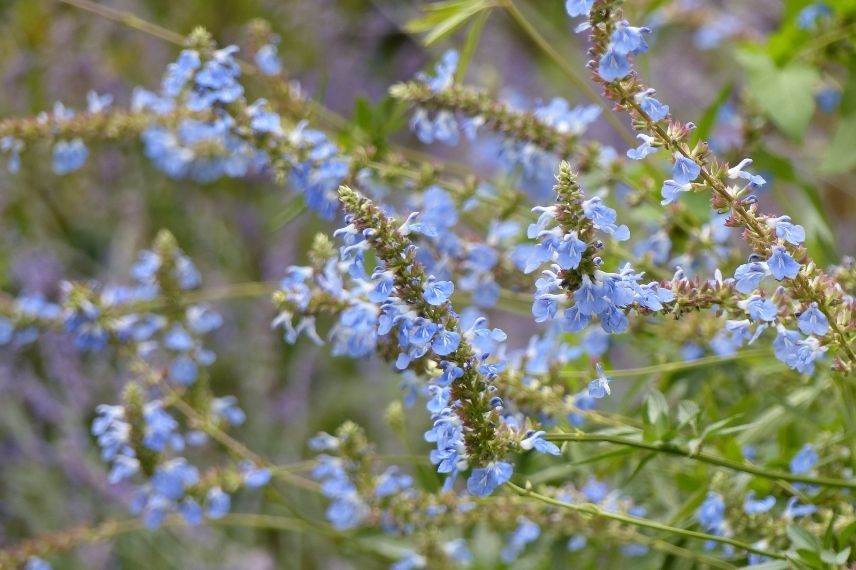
(345, 54)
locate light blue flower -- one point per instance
(69, 156)
(670, 191)
(804, 460)
(267, 60)
(484, 480)
(752, 506)
(578, 7)
(217, 503)
(685, 169)
(749, 276)
(536, 441)
(613, 65)
(782, 265)
(811, 321)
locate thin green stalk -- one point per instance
(72, 538)
(672, 366)
(673, 449)
(595, 511)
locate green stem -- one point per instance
(595, 511)
(673, 449)
(672, 366)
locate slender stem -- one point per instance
(672, 366)
(71, 538)
(127, 19)
(567, 69)
(673, 449)
(595, 511)
(235, 446)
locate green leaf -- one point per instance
(442, 18)
(786, 94)
(840, 156)
(657, 406)
(687, 411)
(836, 558)
(802, 539)
(473, 36)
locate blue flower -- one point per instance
(183, 370)
(751, 506)
(760, 309)
(442, 128)
(570, 251)
(96, 103)
(595, 491)
(180, 72)
(782, 265)
(652, 107)
(794, 510)
(484, 480)
(13, 147)
(190, 511)
(578, 7)
(392, 481)
(69, 156)
(785, 230)
(457, 550)
(172, 478)
(627, 39)
(576, 543)
(559, 115)
(590, 297)
(226, 408)
(254, 476)
(613, 65)
(267, 60)
(437, 292)
(263, 120)
(599, 387)
(574, 320)
(445, 342)
(217, 503)
(526, 532)
(643, 149)
(738, 172)
(670, 191)
(444, 72)
(828, 99)
(685, 169)
(749, 275)
(346, 512)
(36, 563)
(160, 429)
(813, 321)
(410, 561)
(544, 308)
(808, 17)
(536, 441)
(711, 513)
(804, 460)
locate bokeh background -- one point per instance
(90, 226)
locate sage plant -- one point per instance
(474, 330)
